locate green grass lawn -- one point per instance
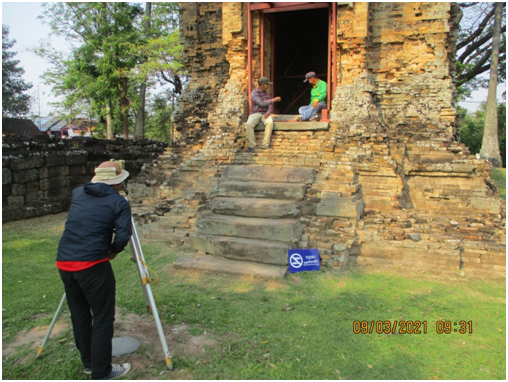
(301, 327)
(499, 176)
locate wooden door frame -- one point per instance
(284, 7)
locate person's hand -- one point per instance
(266, 116)
(315, 104)
(112, 255)
(277, 99)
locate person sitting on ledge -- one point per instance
(318, 94)
(261, 108)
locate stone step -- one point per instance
(269, 174)
(256, 207)
(285, 191)
(294, 126)
(236, 248)
(283, 230)
(220, 265)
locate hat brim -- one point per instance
(269, 83)
(119, 179)
(305, 80)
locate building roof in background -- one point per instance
(58, 123)
(48, 122)
(21, 127)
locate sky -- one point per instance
(28, 31)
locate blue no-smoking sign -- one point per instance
(301, 260)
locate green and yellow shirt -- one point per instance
(319, 92)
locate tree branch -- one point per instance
(472, 47)
(478, 69)
(478, 30)
(467, 5)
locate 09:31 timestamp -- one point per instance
(411, 327)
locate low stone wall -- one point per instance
(39, 173)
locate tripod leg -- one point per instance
(147, 291)
(169, 362)
(53, 322)
(141, 274)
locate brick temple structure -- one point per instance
(380, 181)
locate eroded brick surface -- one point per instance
(419, 200)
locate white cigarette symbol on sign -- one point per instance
(296, 260)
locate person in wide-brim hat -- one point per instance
(98, 227)
(109, 173)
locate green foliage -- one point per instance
(160, 51)
(256, 337)
(94, 73)
(499, 176)
(15, 102)
(471, 128)
(111, 45)
(158, 123)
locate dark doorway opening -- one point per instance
(301, 46)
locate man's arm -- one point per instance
(323, 91)
(254, 98)
(123, 229)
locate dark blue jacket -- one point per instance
(97, 211)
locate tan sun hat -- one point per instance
(109, 173)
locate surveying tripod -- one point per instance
(139, 259)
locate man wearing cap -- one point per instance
(318, 94)
(261, 109)
(97, 212)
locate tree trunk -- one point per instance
(124, 104)
(139, 131)
(109, 121)
(490, 142)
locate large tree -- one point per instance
(99, 66)
(118, 57)
(15, 102)
(471, 126)
(474, 46)
(139, 131)
(490, 143)
(161, 55)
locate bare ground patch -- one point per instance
(181, 344)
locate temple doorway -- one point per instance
(300, 45)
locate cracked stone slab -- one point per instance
(269, 174)
(256, 207)
(237, 248)
(283, 230)
(220, 265)
(262, 190)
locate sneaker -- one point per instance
(314, 118)
(265, 147)
(118, 371)
(251, 149)
(87, 370)
(299, 118)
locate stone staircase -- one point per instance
(252, 222)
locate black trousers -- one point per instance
(91, 300)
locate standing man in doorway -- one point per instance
(318, 94)
(261, 110)
(97, 212)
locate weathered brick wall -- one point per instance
(39, 174)
(428, 204)
(205, 58)
(390, 57)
